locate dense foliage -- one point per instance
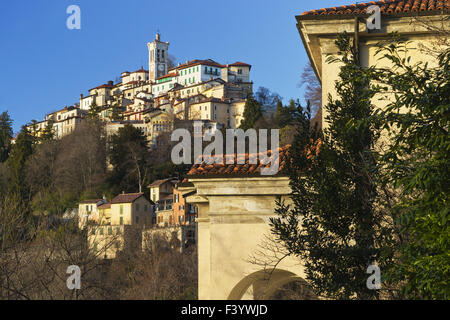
(333, 223)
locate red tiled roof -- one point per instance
(91, 201)
(108, 86)
(387, 7)
(248, 169)
(140, 70)
(192, 63)
(105, 206)
(235, 169)
(160, 182)
(167, 76)
(240, 64)
(126, 197)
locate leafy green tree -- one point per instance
(6, 133)
(334, 224)
(417, 164)
(252, 112)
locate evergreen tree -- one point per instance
(129, 157)
(116, 112)
(334, 224)
(48, 133)
(252, 112)
(94, 111)
(6, 133)
(20, 152)
(281, 115)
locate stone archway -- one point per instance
(266, 284)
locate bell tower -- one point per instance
(158, 58)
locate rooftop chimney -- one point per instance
(110, 82)
(158, 37)
(81, 96)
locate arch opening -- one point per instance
(277, 284)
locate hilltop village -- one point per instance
(152, 99)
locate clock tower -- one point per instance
(158, 58)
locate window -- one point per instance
(145, 208)
(137, 206)
(109, 230)
(137, 220)
(101, 231)
(95, 247)
(239, 71)
(121, 209)
(121, 221)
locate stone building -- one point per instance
(234, 206)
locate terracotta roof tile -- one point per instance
(240, 64)
(105, 206)
(126, 197)
(107, 86)
(237, 169)
(386, 7)
(160, 182)
(246, 169)
(91, 201)
(196, 62)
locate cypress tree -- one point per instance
(252, 112)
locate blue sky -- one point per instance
(44, 66)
